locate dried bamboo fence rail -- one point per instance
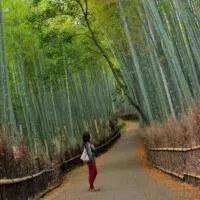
(183, 163)
(175, 149)
(18, 180)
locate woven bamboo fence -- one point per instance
(183, 163)
(21, 188)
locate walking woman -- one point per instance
(91, 152)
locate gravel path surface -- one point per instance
(121, 177)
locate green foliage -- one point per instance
(58, 80)
(122, 126)
(57, 73)
(156, 45)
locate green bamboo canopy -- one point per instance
(64, 70)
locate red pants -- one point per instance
(92, 174)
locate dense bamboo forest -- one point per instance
(69, 65)
(54, 83)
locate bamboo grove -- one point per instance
(160, 58)
(67, 65)
(47, 106)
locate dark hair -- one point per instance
(86, 137)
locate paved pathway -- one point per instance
(121, 177)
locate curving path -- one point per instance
(121, 177)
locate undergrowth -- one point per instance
(175, 133)
(122, 126)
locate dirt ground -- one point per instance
(124, 175)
